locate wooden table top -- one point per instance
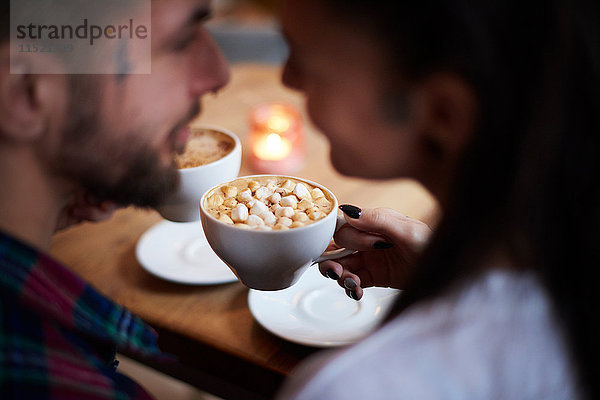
(220, 347)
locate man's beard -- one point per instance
(117, 169)
(141, 179)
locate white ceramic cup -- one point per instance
(273, 260)
(182, 206)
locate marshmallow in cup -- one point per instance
(261, 257)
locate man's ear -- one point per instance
(29, 102)
(445, 114)
(23, 115)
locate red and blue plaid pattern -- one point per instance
(58, 336)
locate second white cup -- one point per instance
(183, 205)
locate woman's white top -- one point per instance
(496, 338)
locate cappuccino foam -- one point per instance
(204, 147)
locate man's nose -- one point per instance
(210, 70)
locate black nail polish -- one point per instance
(354, 295)
(349, 284)
(332, 275)
(382, 245)
(351, 211)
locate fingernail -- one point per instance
(353, 295)
(351, 211)
(382, 245)
(350, 284)
(332, 275)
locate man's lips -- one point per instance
(181, 133)
(180, 138)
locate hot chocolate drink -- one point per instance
(270, 228)
(268, 203)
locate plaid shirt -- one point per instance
(58, 335)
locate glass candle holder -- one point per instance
(276, 139)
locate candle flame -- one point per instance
(273, 142)
(272, 147)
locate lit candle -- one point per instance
(272, 147)
(276, 138)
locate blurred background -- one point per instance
(247, 31)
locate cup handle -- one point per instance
(338, 253)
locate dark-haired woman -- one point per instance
(493, 106)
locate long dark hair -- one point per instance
(529, 182)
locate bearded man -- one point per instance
(72, 147)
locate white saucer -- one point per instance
(317, 312)
(179, 252)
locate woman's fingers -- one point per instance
(331, 269)
(352, 283)
(348, 267)
(352, 238)
(390, 224)
(387, 243)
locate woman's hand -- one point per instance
(388, 244)
(84, 208)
